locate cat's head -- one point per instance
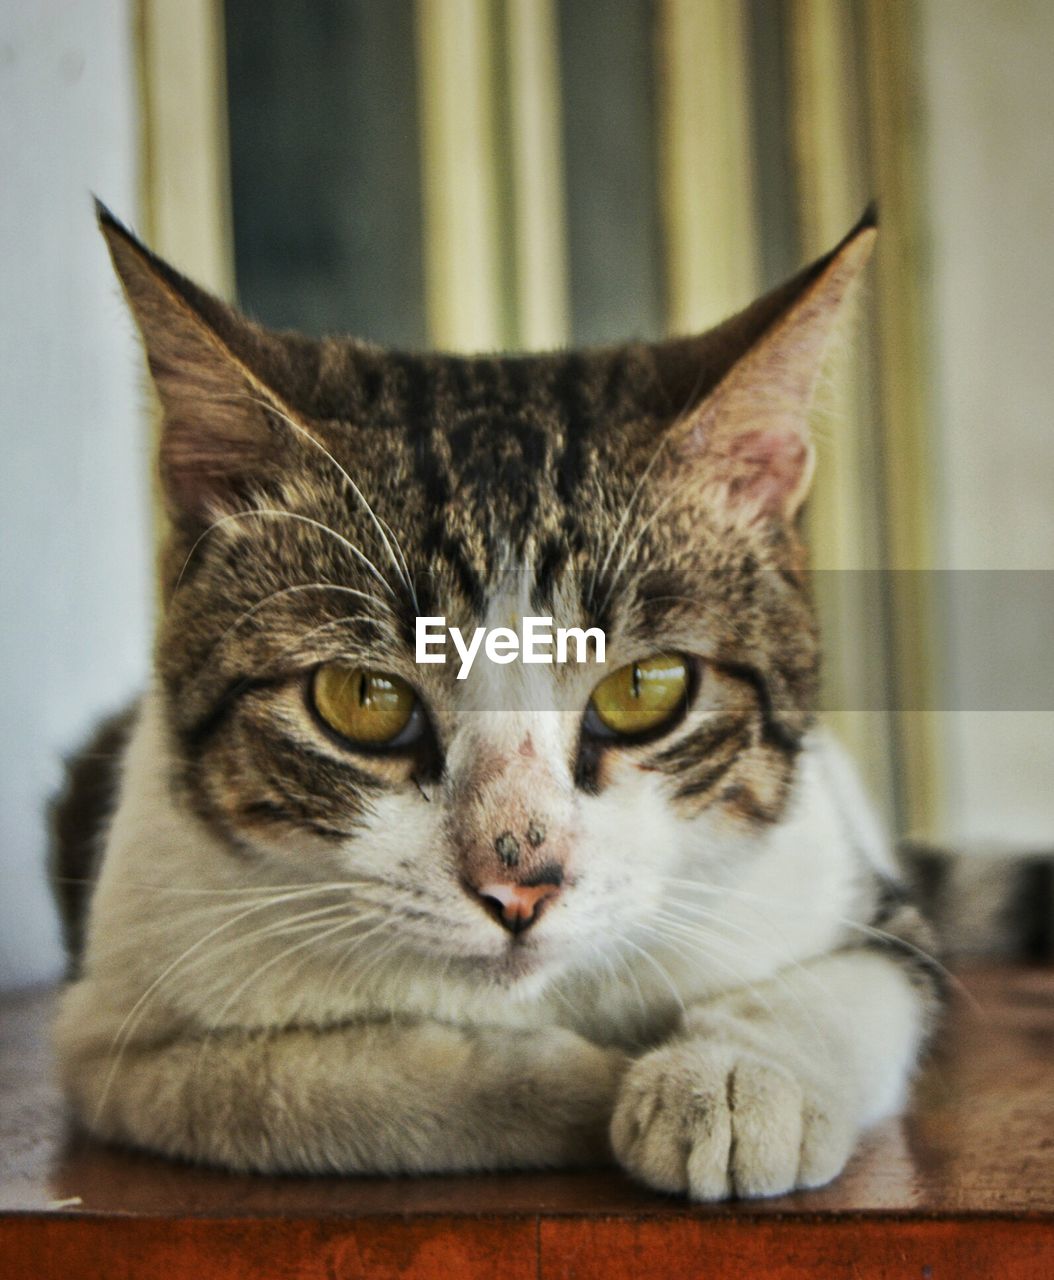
(325, 494)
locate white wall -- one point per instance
(988, 71)
(75, 549)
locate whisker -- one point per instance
(304, 920)
(131, 1020)
(348, 953)
(710, 610)
(362, 651)
(672, 928)
(300, 586)
(315, 940)
(848, 923)
(675, 494)
(678, 999)
(638, 488)
(670, 934)
(715, 917)
(276, 513)
(630, 973)
(739, 984)
(382, 528)
(243, 891)
(923, 954)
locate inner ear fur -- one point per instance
(748, 436)
(218, 433)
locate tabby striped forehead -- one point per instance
(478, 468)
(503, 453)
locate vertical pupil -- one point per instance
(364, 689)
(635, 681)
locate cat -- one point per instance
(354, 915)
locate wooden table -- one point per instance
(964, 1188)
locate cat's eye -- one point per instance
(640, 697)
(370, 708)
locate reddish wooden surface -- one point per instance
(964, 1187)
(876, 1248)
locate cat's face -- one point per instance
(523, 820)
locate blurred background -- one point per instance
(483, 174)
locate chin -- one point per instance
(519, 969)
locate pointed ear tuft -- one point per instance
(216, 437)
(750, 435)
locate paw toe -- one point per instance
(708, 1141)
(827, 1142)
(766, 1105)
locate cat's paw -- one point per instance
(713, 1121)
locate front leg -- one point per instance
(767, 1089)
(391, 1097)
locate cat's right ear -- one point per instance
(217, 436)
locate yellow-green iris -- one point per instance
(643, 695)
(365, 706)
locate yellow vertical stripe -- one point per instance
(708, 188)
(891, 38)
(830, 188)
(185, 167)
(831, 182)
(185, 212)
(455, 41)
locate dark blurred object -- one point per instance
(79, 819)
(985, 901)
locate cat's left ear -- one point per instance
(748, 439)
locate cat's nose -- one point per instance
(517, 906)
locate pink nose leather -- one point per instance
(516, 906)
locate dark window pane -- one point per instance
(607, 55)
(325, 170)
(774, 178)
